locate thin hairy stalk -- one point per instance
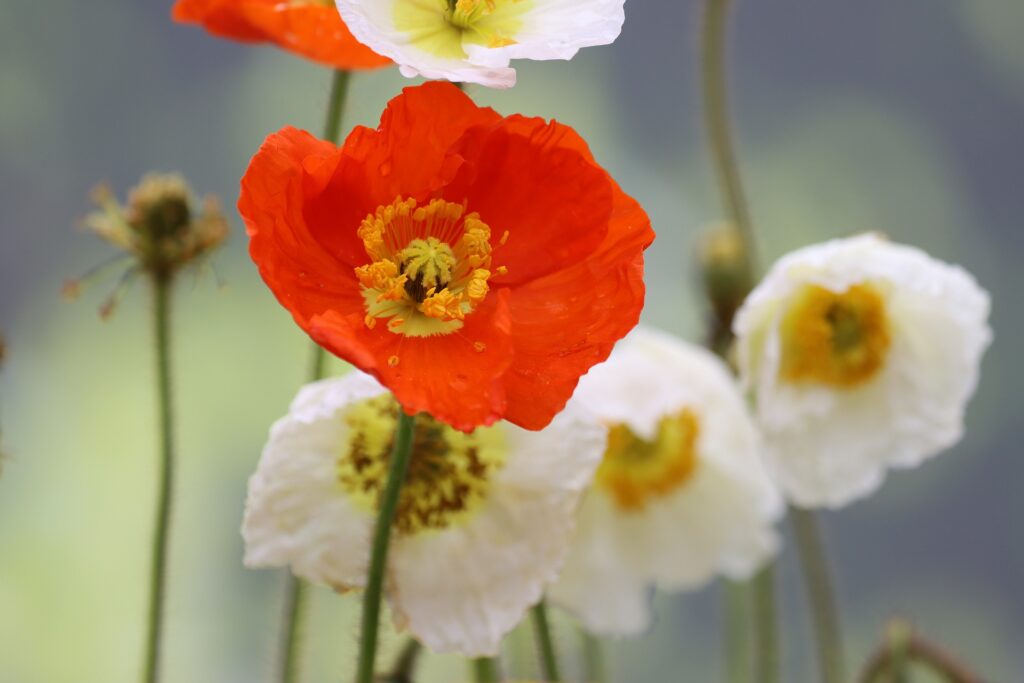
(595, 669)
(766, 651)
(158, 571)
(398, 468)
(821, 595)
(545, 642)
(718, 123)
(485, 670)
(738, 665)
(296, 590)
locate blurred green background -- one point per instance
(904, 117)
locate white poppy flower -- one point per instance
(483, 522)
(681, 494)
(862, 355)
(475, 40)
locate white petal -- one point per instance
(720, 521)
(828, 447)
(598, 584)
(296, 513)
(463, 588)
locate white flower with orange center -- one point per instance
(862, 355)
(475, 40)
(483, 522)
(680, 496)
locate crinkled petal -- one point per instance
(296, 513)
(463, 588)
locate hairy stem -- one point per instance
(545, 642)
(401, 454)
(820, 593)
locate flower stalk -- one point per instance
(401, 455)
(594, 667)
(820, 592)
(740, 272)
(545, 643)
(296, 590)
(902, 649)
(485, 670)
(162, 287)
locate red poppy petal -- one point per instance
(455, 377)
(313, 31)
(569, 321)
(306, 278)
(407, 156)
(528, 177)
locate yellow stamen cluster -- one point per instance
(449, 474)
(635, 470)
(840, 339)
(430, 266)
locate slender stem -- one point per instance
(737, 632)
(158, 576)
(594, 667)
(820, 594)
(336, 105)
(401, 454)
(718, 123)
(485, 670)
(766, 653)
(296, 590)
(545, 643)
(889, 662)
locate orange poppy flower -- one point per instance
(476, 265)
(310, 28)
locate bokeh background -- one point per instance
(904, 117)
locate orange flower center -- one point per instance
(635, 471)
(839, 339)
(430, 266)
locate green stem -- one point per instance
(718, 123)
(336, 105)
(545, 643)
(766, 652)
(296, 590)
(594, 667)
(158, 576)
(485, 670)
(401, 454)
(296, 602)
(737, 632)
(820, 594)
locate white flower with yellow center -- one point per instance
(483, 522)
(680, 495)
(475, 40)
(862, 355)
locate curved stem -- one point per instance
(595, 669)
(820, 594)
(766, 642)
(892, 660)
(401, 454)
(296, 590)
(158, 570)
(718, 123)
(485, 670)
(545, 643)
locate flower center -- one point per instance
(839, 339)
(430, 266)
(449, 473)
(441, 27)
(635, 470)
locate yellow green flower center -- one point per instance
(430, 266)
(635, 471)
(449, 473)
(443, 27)
(840, 339)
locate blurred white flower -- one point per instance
(483, 523)
(680, 495)
(475, 40)
(862, 355)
